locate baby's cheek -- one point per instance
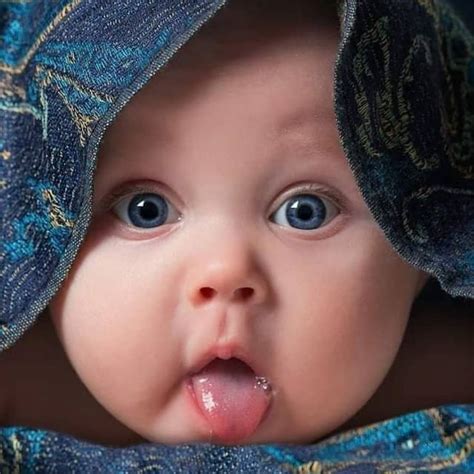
(349, 327)
(339, 371)
(115, 331)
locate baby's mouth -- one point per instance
(232, 398)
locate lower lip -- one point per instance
(191, 395)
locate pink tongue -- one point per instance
(231, 398)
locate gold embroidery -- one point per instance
(83, 122)
(16, 445)
(309, 468)
(56, 214)
(429, 6)
(394, 115)
(41, 38)
(5, 154)
(9, 90)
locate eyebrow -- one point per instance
(309, 132)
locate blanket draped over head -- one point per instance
(404, 100)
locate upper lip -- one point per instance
(224, 352)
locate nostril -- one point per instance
(244, 293)
(207, 292)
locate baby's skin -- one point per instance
(227, 226)
(433, 366)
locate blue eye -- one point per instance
(145, 210)
(306, 211)
(302, 211)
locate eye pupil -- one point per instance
(148, 210)
(305, 212)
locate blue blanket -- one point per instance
(436, 440)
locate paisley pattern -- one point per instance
(405, 107)
(436, 440)
(404, 92)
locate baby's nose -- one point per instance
(228, 283)
(239, 294)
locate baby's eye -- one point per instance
(145, 210)
(306, 211)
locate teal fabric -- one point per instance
(405, 107)
(437, 440)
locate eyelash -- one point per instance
(317, 189)
(320, 191)
(127, 190)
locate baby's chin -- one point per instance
(251, 425)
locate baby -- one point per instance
(233, 286)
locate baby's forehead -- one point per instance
(294, 102)
(251, 31)
(288, 90)
(253, 34)
(244, 26)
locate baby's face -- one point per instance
(227, 224)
